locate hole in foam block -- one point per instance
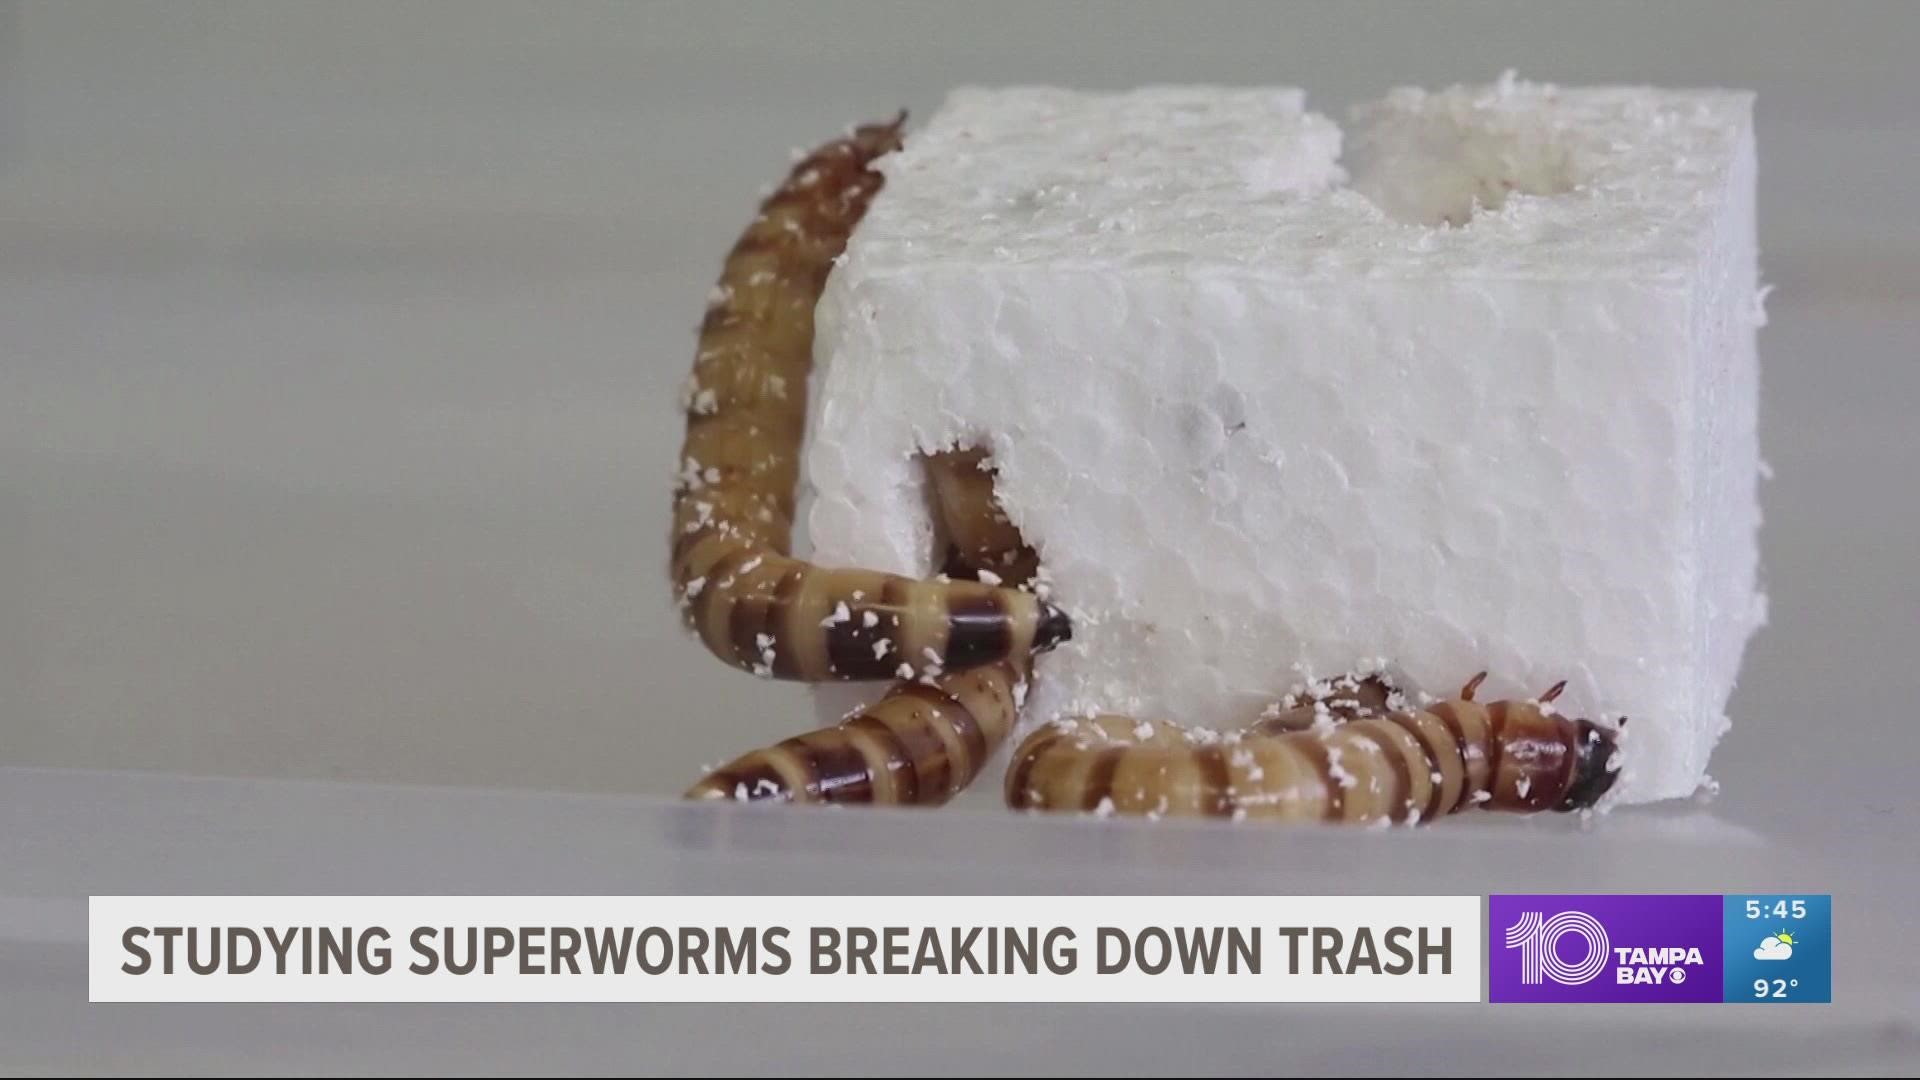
(1440, 160)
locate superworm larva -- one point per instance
(1405, 765)
(752, 604)
(928, 738)
(923, 742)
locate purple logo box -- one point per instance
(1604, 948)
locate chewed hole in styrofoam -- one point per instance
(1441, 159)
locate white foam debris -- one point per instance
(1489, 403)
(1707, 792)
(1340, 773)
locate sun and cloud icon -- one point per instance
(1775, 947)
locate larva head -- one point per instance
(872, 140)
(1053, 628)
(1595, 767)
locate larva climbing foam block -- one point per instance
(1479, 394)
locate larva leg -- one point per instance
(1404, 765)
(1335, 701)
(927, 739)
(751, 603)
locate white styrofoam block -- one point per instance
(1488, 403)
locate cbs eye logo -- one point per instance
(1538, 939)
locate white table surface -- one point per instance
(336, 416)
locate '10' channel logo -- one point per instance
(1678, 948)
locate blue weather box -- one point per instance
(1779, 948)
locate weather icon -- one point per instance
(1775, 947)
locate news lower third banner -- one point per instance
(1600, 948)
(785, 948)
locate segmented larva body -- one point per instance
(929, 737)
(982, 542)
(1399, 765)
(922, 743)
(752, 604)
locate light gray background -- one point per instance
(338, 349)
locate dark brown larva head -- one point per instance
(1054, 628)
(872, 140)
(1594, 769)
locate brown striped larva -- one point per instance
(927, 739)
(752, 604)
(1370, 766)
(922, 743)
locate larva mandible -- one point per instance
(751, 603)
(929, 737)
(1401, 765)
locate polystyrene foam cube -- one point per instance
(1489, 401)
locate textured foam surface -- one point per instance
(1487, 402)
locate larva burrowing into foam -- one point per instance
(929, 737)
(752, 604)
(1372, 766)
(1355, 754)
